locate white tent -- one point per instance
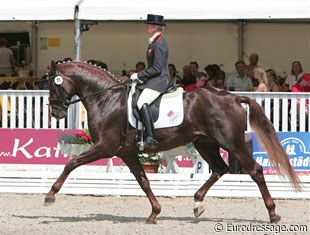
(31, 10)
(48, 10)
(81, 11)
(194, 9)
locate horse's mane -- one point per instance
(92, 71)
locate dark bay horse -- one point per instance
(213, 119)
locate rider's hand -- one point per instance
(134, 77)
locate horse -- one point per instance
(213, 119)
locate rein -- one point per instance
(93, 94)
(66, 102)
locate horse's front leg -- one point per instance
(136, 168)
(90, 155)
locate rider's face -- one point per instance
(150, 29)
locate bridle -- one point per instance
(65, 102)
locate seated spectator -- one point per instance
(187, 78)
(239, 81)
(261, 77)
(294, 76)
(140, 66)
(193, 67)
(303, 85)
(201, 80)
(273, 82)
(253, 59)
(210, 71)
(219, 80)
(173, 74)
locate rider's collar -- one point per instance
(154, 37)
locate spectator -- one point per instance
(173, 74)
(273, 82)
(294, 76)
(7, 59)
(201, 80)
(253, 59)
(188, 78)
(193, 68)
(239, 81)
(211, 73)
(261, 77)
(140, 66)
(303, 85)
(219, 80)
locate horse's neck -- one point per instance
(105, 105)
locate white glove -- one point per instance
(134, 77)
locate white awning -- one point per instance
(194, 9)
(30, 10)
(21, 10)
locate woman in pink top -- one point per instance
(303, 85)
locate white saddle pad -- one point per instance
(171, 111)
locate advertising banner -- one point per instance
(31, 146)
(297, 147)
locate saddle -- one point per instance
(167, 109)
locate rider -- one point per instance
(153, 80)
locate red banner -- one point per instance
(30, 146)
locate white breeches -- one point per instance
(147, 96)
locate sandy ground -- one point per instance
(25, 214)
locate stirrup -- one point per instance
(150, 142)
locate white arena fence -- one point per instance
(29, 109)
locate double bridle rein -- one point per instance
(65, 102)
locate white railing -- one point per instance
(29, 109)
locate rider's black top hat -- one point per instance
(155, 19)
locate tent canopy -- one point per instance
(47, 10)
(31, 10)
(195, 9)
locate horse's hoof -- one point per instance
(150, 221)
(275, 219)
(49, 201)
(198, 210)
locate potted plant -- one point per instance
(150, 161)
(74, 142)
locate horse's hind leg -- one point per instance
(87, 157)
(137, 170)
(210, 153)
(256, 172)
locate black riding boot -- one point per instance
(147, 120)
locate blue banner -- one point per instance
(297, 147)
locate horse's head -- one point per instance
(62, 89)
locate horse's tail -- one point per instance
(267, 136)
